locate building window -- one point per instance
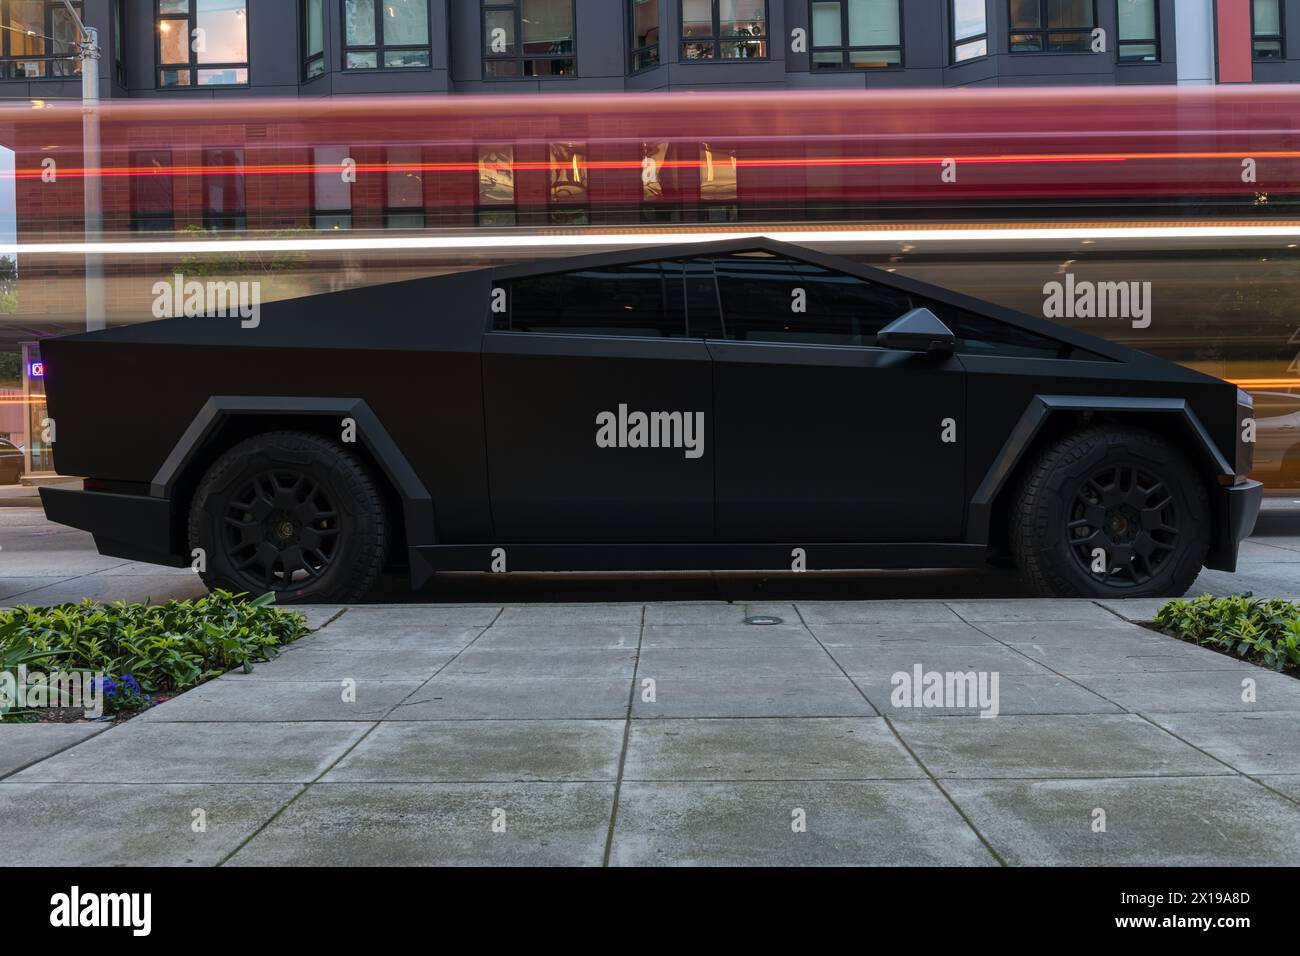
(313, 38)
(1139, 31)
(654, 161)
(857, 34)
(202, 42)
(567, 190)
(151, 191)
(404, 188)
(970, 30)
(392, 34)
(223, 190)
(724, 29)
(496, 186)
(527, 38)
(661, 182)
(331, 190)
(1266, 29)
(1052, 26)
(719, 184)
(645, 34)
(40, 39)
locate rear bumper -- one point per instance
(1236, 509)
(133, 527)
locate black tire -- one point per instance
(1124, 490)
(293, 513)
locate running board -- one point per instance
(693, 557)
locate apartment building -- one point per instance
(208, 48)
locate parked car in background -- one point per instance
(744, 405)
(1277, 439)
(11, 462)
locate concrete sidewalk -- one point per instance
(675, 733)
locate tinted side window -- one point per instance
(615, 300)
(772, 299)
(692, 292)
(980, 335)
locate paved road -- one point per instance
(43, 563)
(634, 734)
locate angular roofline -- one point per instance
(1022, 320)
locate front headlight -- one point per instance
(1246, 433)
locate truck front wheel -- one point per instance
(1110, 511)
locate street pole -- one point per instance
(92, 184)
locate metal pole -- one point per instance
(92, 184)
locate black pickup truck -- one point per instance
(739, 405)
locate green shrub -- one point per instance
(1266, 632)
(166, 648)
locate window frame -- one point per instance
(992, 345)
(488, 215)
(797, 278)
(308, 59)
(393, 209)
(1280, 36)
(193, 67)
(635, 51)
(1121, 41)
(320, 211)
(214, 220)
(9, 61)
(519, 57)
(379, 48)
(845, 49)
(670, 317)
(717, 39)
(954, 43)
(1044, 32)
(140, 221)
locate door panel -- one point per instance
(822, 436)
(550, 480)
(824, 444)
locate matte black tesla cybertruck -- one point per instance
(738, 405)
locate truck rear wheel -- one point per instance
(294, 513)
(1110, 511)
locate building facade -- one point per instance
(198, 48)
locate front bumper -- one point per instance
(1235, 510)
(133, 527)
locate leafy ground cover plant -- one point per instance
(146, 651)
(1266, 632)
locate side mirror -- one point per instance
(918, 331)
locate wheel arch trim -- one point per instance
(418, 516)
(1036, 415)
